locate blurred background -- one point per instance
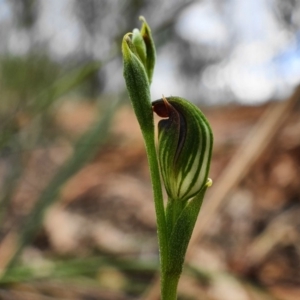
(77, 217)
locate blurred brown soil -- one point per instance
(108, 206)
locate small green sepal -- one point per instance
(140, 46)
(150, 48)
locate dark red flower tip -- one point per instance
(162, 108)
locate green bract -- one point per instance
(185, 143)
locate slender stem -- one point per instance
(158, 199)
(169, 286)
(170, 279)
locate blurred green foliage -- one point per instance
(22, 78)
(29, 87)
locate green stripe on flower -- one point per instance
(184, 147)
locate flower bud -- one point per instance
(185, 143)
(138, 64)
(142, 45)
(137, 84)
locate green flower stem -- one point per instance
(170, 277)
(169, 286)
(158, 198)
(169, 281)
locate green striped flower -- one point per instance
(184, 147)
